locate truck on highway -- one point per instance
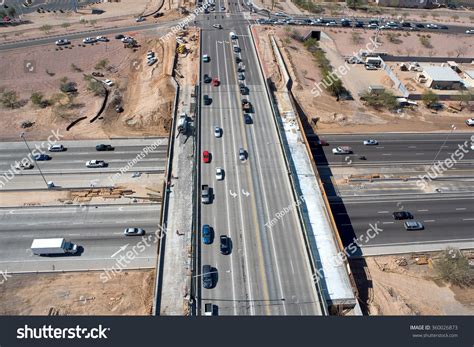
(205, 194)
(342, 150)
(53, 247)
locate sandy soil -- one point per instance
(81, 293)
(410, 289)
(116, 14)
(146, 90)
(344, 116)
(408, 43)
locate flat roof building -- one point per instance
(440, 77)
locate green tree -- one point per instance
(96, 87)
(38, 99)
(453, 266)
(46, 28)
(11, 11)
(9, 99)
(429, 97)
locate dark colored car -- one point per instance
(406, 24)
(238, 60)
(207, 277)
(247, 119)
(401, 215)
(419, 26)
(119, 36)
(157, 15)
(243, 89)
(225, 245)
(207, 100)
(444, 27)
(207, 234)
(42, 157)
(359, 25)
(102, 148)
(207, 78)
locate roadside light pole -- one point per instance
(445, 140)
(34, 159)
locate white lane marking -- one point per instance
(382, 212)
(461, 209)
(419, 153)
(388, 222)
(292, 267)
(411, 146)
(422, 210)
(387, 154)
(430, 221)
(468, 219)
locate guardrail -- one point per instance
(165, 201)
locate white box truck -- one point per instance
(53, 247)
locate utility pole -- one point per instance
(34, 159)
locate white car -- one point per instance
(151, 61)
(222, 8)
(62, 42)
(432, 26)
(371, 142)
(470, 122)
(127, 39)
(372, 26)
(219, 173)
(89, 40)
(134, 232)
(102, 39)
(331, 24)
(56, 148)
(205, 58)
(24, 166)
(342, 150)
(140, 19)
(217, 132)
(108, 82)
(96, 163)
(217, 26)
(470, 31)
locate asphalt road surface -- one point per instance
(267, 272)
(398, 148)
(98, 230)
(135, 155)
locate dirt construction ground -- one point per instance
(396, 285)
(81, 293)
(145, 92)
(342, 116)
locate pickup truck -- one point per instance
(205, 194)
(246, 106)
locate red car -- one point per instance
(215, 82)
(206, 157)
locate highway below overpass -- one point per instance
(97, 229)
(366, 192)
(267, 272)
(68, 169)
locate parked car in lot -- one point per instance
(342, 150)
(225, 244)
(207, 234)
(207, 277)
(42, 157)
(108, 82)
(119, 36)
(217, 26)
(96, 163)
(151, 61)
(103, 147)
(102, 39)
(219, 173)
(62, 42)
(206, 157)
(370, 142)
(89, 40)
(217, 132)
(56, 148)
(413, 225)
(401, 215)
(134, 232)
(470, 122)
(140, 19)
